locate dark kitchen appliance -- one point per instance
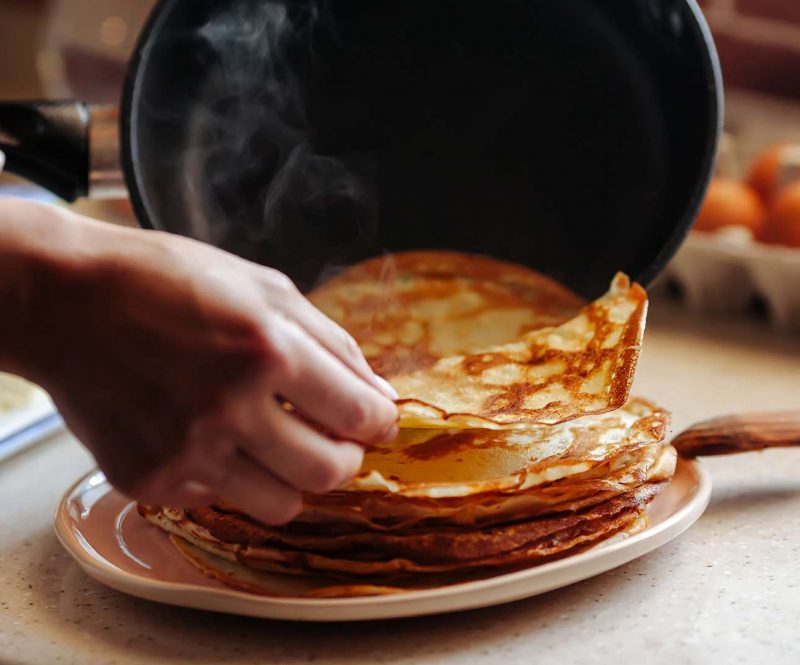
(576, 137)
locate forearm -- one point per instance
(36, 245)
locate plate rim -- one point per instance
(592, 562)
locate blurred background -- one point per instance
(58, 48)
(68, 48)
(747, 244)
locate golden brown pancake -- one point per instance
(409, 309)
(547, 376)
(461, 339)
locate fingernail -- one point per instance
(390, 392)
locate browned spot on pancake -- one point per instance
(512, 399)
(442, 445)
(475, 365)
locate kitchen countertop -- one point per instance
(728, 590)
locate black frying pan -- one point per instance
(576, 137)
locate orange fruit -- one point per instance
(731, 203)
(783, 220)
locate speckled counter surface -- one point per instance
(727, 591)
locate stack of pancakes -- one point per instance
(518, 440)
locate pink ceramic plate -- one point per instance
(103, 532)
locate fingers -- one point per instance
(254, 453)
(258, 492)
(213, 468)
(241, 482)
(329, 334)
(340, 343)
(299, 455)
(313, 380)
(215, 464)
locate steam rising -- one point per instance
(256, 182)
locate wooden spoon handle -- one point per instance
(737, 434)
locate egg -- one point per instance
(783, 220)
(731, 203)
(773, 169)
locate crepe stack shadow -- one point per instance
(519, 443)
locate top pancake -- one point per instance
(410, 309)
(471, 342)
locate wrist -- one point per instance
(39, 250)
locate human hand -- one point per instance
(172, 362)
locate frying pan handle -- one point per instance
(68, 147)
(48, 143)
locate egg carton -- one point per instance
(727, 271)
